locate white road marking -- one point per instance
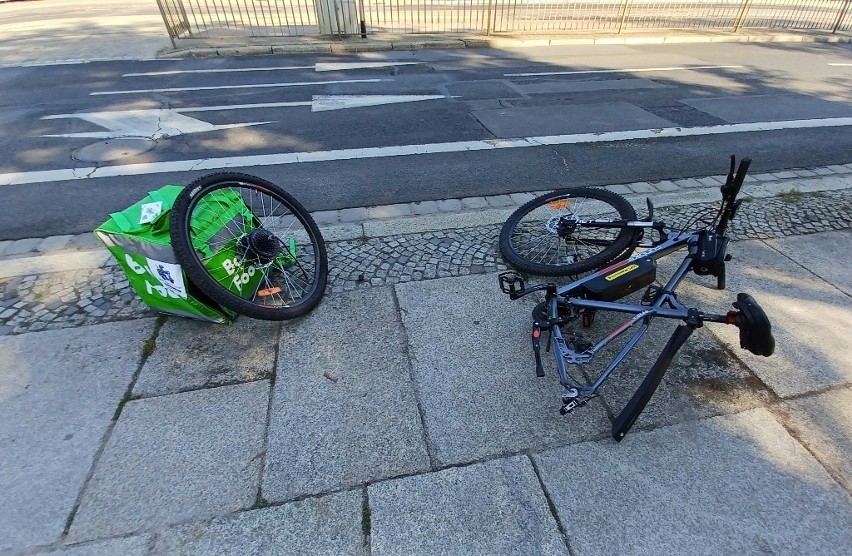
(223, 70)
(631, 70)
(154, 124)
(840, 65)
(160, 123)
(18, 178)
(337, 66)
(321, 103)
(255, 86)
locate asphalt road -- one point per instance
(81, 140)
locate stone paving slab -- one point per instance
(738, 484)
(344, 410)
(192, 354)
(172, 458)
(810, 318)
(58, 393)
(826, 255)
(328, 525)
(493, 508)
(479, 391)
(134, 545)
(823, 423)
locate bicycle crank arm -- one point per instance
(512, 283)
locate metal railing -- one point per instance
(269, 18)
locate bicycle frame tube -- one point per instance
(666, 306)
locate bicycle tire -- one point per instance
(556, 206)
(288, 262)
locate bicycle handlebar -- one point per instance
(730, 190)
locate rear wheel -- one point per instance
(249, 246)
(553, 235)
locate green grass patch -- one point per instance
(792, 196)
(260, 503)
(366, 524)
(149, 346)
(126, 398)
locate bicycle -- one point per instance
(573, 231)
(249, 246)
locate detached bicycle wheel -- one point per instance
(560, 234)
(249, 246)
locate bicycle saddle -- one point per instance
(754, 325)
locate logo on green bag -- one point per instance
(239, 279)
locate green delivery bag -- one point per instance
(138, 237)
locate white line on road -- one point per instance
(222, 70)
(337, 66)
(322, 103)
(632, 70)
(841, 65)
(18, 178)
(255, 86)
(170, 122)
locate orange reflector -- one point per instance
(562, 204)
(269, 291)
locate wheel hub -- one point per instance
(563, 226)
(260, 246)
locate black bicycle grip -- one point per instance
(742, 170)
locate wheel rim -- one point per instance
(549, 234)
(254, 246)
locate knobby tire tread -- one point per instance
(623, 243)
(198, 275)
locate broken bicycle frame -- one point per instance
(582, 298)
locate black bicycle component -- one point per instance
(536, 343)
(652, 293)
(625, 420)
(259, 246)
(710, 254)
(249, 246)
(755, 328)
(568, 232)
(729, 194)
(619, 280)
(511, 283)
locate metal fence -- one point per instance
(268, 18)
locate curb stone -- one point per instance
(378, 43)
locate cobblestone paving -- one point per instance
(62, 300)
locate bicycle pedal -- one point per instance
(511, 283)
